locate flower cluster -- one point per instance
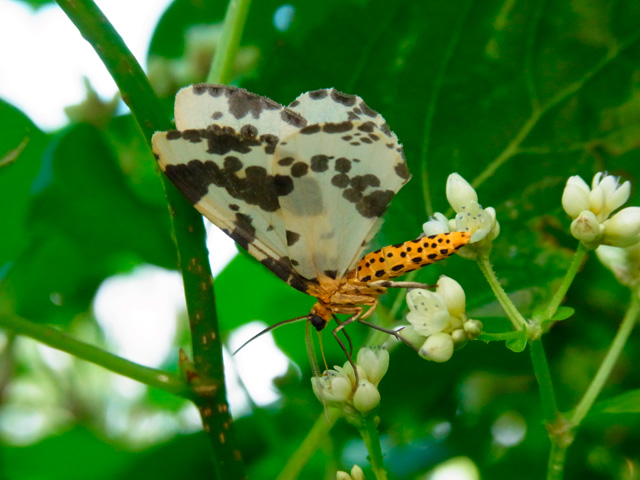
(337, 387)
(591, 208)
(356, 474)
(470, 217)
(438, 321)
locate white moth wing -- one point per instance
(248, 114)
(229, 179)
(344, 176)
(330, 105)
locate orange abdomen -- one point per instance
(395, 260)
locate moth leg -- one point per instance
(392, 284)
(345, 334)
(393, 333)
(335, 332)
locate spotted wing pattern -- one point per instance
(301, 188)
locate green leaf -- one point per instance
(516, 341)
(628, 402)
(563, 313)
(16, 178)
(84, 225)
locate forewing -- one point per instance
(229, 179)
(248, 114)
(331, 106)
(343, 175)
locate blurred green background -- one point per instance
(520, 94)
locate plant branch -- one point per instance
(309, 445)
(510, 309)
(628, 322)
(369, 433)
(543, 377)
(166, 381)
(566, 282)
(222, 66)
(188, 229)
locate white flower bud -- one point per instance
(366, 397)
(623, 229)
(374, 362)
(347, 371)
(357, 473)
(575, 198)
(473, 328)
(459, 192)
(437, 224)
(453, 295)
(623, 262)
(459, 337)
(586, 227)
(340, 475)
(438, 348)
(332, 389)
(618, 197)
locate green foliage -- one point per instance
(514, 96)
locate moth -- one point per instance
(302, 188)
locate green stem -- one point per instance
(510, 309)
(628, 322)
(188, 230)
(557, 457)
(369, 433)
(166, 381)
(566, 282)
(543, 377)
(222, 66)
(309, 445)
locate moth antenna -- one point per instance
(324, 359)
(270, 328)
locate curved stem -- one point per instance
(369, 433)
(566, 282)
(586, 402)
(222, 66)
(166, 381)
(543, 377)
(309, 445)
(188, 229)
(510, 309)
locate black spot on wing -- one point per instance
(284, 270)
(331, 273)
(311, 129)
(402, 171)
(292, 237)
(299, 169)
(374, 204)
(293, 118)
(318, 94)
(341, 127)
(253, 185)
(343, 98)
(244, 232)
(243, 103)
(320, 163)
(368, 111)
